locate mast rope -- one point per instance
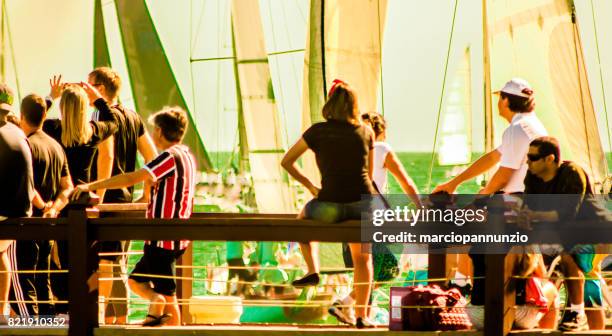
(580, 85)
(10, 42)
(382, 85)
(435, 143)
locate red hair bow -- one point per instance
(335, 84)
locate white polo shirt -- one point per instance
(523, 128)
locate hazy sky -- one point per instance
(56, 37)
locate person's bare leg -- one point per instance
(596, 319)
(105, 287)
(144, 290)
(172, 309)
(549, 321)
(575, 286)
(5, 277)
(363, 273)
(310, 251)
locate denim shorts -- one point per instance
(332, 212)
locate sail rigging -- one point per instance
(344, 41)
(258, 110)
(456, 131)
(153, 81)
(539, 40)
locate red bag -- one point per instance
(432, 308)
(535, 295)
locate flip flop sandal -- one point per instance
(156, 320)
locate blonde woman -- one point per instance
(79, 137)
(75, 132)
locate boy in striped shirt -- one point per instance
(172, 175)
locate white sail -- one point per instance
(456, 131)
(538, 40)
(261, 120)
(345, 42)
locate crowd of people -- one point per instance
(45, 162)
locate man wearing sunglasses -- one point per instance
(549, 175)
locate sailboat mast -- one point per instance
(243, 144)
(488, 112)
(2, 44)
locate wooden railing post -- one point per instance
(499, 294)
(82, 307)
(185, 286)
(436, 268)
(499, 287)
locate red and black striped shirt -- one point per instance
(173, 172)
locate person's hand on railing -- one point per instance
(524, 218)
(78, 190)
(50, 213)
(448, 187)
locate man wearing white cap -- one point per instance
(516, 104)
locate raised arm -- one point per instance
(289, 163)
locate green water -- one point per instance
(417, 166)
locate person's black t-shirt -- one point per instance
(341, 150)
(80, 157)
(16, 178)
(50, 165)
(570, 181)
(129, 129)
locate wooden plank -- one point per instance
(226, 229)
(5, 330)
(110, 207)
(270, 330)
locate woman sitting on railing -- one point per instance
(343, 149)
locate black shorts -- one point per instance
(157, 261)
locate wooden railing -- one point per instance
(121, 222)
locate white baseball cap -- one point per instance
(517, 87)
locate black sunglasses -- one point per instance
(535, 157)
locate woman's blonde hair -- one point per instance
(342, 105)
(75, 126)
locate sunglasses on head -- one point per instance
(535, 157)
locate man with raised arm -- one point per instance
(117, 155)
